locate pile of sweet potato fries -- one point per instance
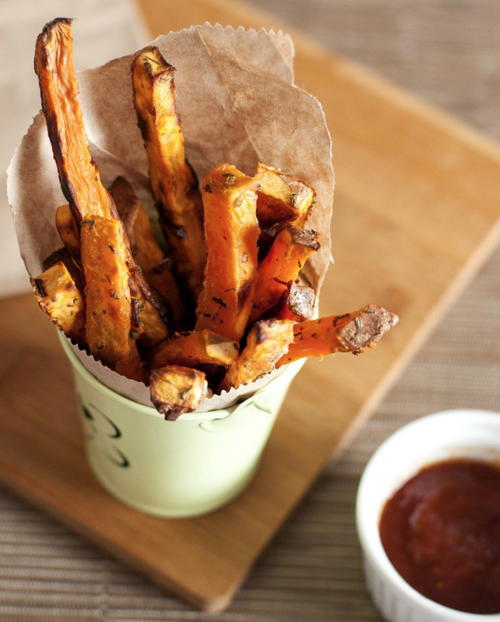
(226, 301)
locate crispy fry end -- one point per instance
(297, 303)
(199, 347)
(79, 177)
(172, 181)
(176, 390)
(351, 332)
(225, 302)
(267, 343)
(59, 297)
(281, 198)
(286, 258)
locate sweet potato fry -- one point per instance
(146, 308)
(59, 296)
(107, 293)
(267, 343)
(73, 266)
(287, 256)
(198, 347)
(78, 175)
(176, 390)
(147, 252)
(280, 198)
(297, 303)
(350, 332)
(143, 243)
(163, 281)
(231, 232)
(172, 181)
(68, 230)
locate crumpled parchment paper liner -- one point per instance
(237, 103)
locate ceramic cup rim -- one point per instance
(208, 415)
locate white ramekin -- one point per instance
(448, 434)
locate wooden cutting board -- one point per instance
(416, 211)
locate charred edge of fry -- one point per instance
(153, 61)
(176, 390)
(267, 237)
(39, 287)
(304, 237)
(267, 342)
(59, 296)
(47, 29)
(366, 328)
(124, 197)
(297, 302)
(73, 266)
(195, 348)
(281, 198)
(67, 228)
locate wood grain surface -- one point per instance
(405, 174)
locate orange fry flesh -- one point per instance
(60, 298)
(107, 293)
(176, 390)
(286, 258)
(68, 230)
(198, 347)
(267, 343)
(79, 177)
(351, 332)
(172, 181)
(281, 198)
(231, 232)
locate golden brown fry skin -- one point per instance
(281, 198)
(146, 309)
(267, 342)
(145, 248)
(79, 177)
(286, 258)
(231, 232)
(297, 303)
(176, 390)
(351, 332)
(143, 243)
(60, 298)
(172, 181)
(68, 230)
(107, 293)
(163, 281)
(198, 347)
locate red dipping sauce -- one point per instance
(441, 531)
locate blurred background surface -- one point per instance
(444, 51)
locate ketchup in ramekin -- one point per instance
(441, 531)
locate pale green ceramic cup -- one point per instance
(177, 468)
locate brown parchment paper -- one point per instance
(237, 103)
